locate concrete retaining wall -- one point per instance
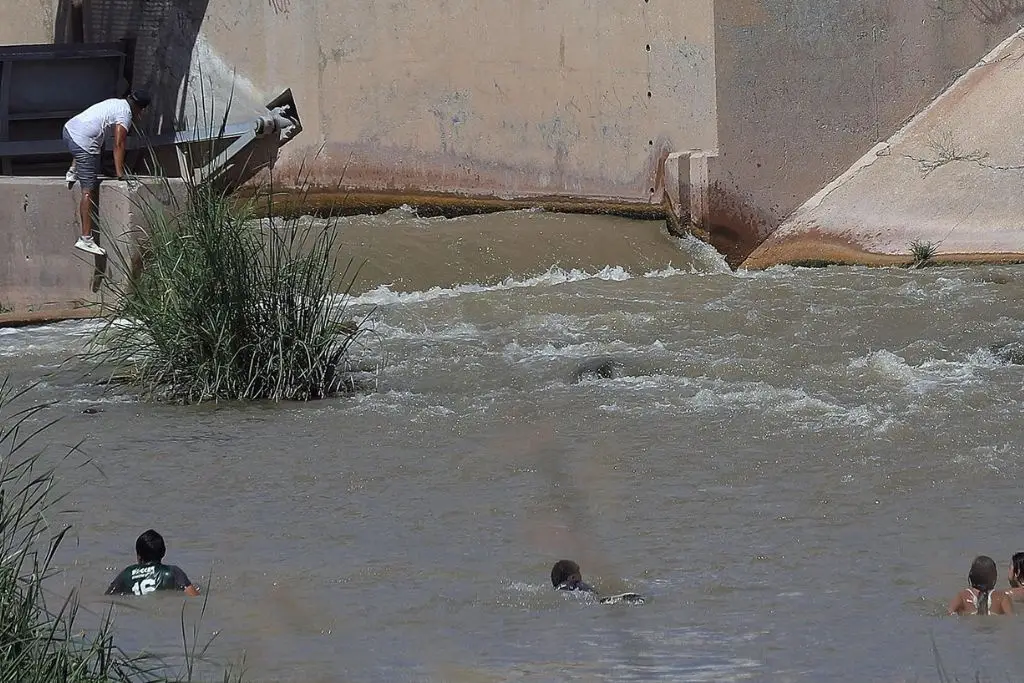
(573, 98)
(538, 97)
(40, 270)
(952, 177)
(805, 87)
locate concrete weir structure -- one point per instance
(41, 276)
(731, 112)
(951, 178)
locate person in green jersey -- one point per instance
(150, 574)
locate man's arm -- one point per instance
(120, 144)
(182, 583)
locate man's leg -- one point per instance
(86, 208)
(87, 166)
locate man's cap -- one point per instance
(140, 97)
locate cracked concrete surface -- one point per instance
(953, 176)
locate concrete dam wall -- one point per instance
(568, 98)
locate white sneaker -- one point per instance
(86, 243)
(71, 177)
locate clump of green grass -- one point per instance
(38, 643)
(227, 307)
(923, 253)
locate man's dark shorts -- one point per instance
(87, 166)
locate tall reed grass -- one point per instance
(227, 307)
(42, 639)
(37, 642)
(219, 306)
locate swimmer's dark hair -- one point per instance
(983, 577)
(150, 547)
(1017, 562)
(566, 572)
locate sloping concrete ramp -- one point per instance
(952, 177)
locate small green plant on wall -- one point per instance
(923, 253)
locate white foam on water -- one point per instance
(514, 352)
(383, 295)
(461, 331)
(532, 588)
(928, 375)
(939, 288)
(864, 416)
(761, 396)
(1001, 459)
(48, 339)
(660, 392)
(711, 261)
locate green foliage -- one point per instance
(227, 307)
(923, 252)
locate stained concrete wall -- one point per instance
(805, 87)
(40, 270)
(26, 23)
(952, 177)
(579, 97)
(560, 97)
(533, 96)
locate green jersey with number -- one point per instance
(140, 579)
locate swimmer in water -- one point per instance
(982, 597)
(566, 576)
(150, 574)
(1016, 576)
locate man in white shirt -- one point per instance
(84, 135)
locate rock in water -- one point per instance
(598, 367)
(1012, 353)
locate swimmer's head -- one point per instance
(565, 575)
(1016, 574)
(150, 547)
(983, 573)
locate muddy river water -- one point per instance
(796, 466)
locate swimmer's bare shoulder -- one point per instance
(958, 605)
(1003, 604)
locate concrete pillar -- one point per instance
(687, 187)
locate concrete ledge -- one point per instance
(41, 273)
(294, 203)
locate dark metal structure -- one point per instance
(42, 86)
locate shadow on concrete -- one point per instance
(996, 11)
(161, 35)
(68, 26)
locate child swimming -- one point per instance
(982, 597)
(150, 574)
(566, 576)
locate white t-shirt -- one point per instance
(89, 128)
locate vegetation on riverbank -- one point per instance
(228, 307)
(41, 637)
